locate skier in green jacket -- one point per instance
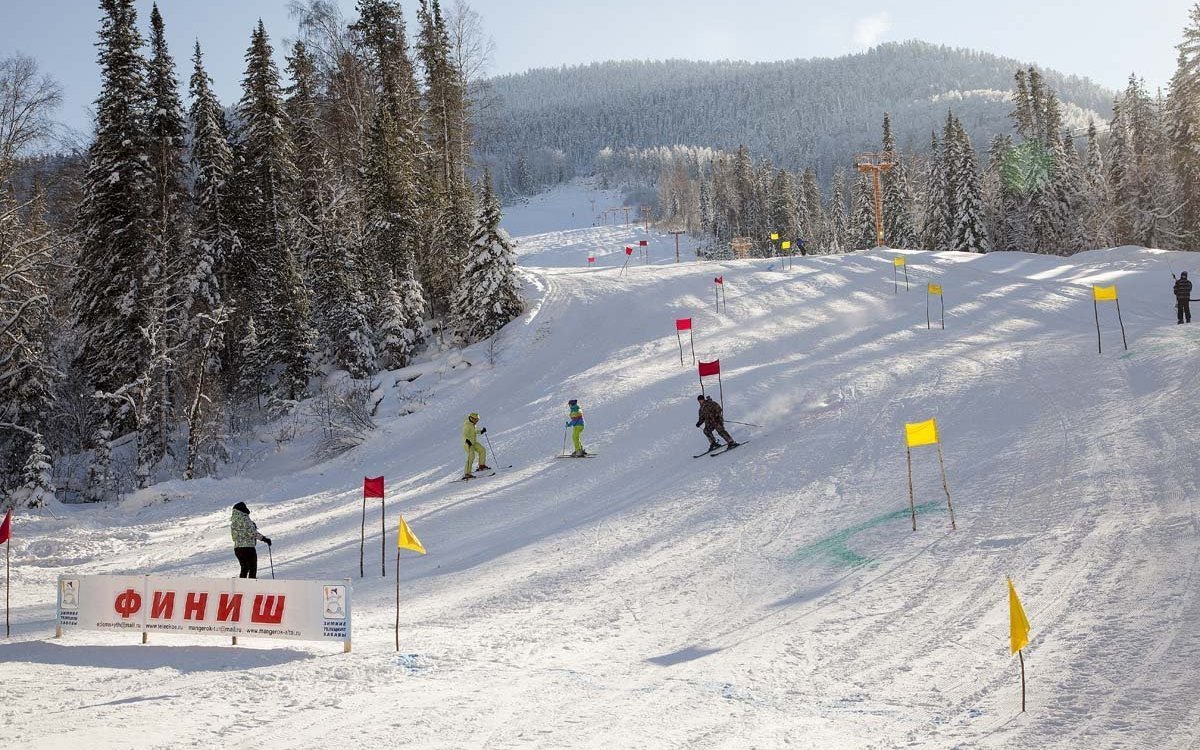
(472, 446)
(245, 536)
(575, 422)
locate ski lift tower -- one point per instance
(876, 164)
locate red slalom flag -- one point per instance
(373, 487)
(629, 251)
(710, 368)
(719, 280)
(642, 243)
(6, 527)
(683, 324)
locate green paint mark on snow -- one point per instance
(835, 548)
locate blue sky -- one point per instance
(1106, 42)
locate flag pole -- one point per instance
(1096, 309)
(1122, 324)
(1021, 656)
(906, 277)
(362, 540)
(397, 597)
(692, 340)
(721, 387)
(7, 585)
(680, 340)
(912, 505)
(946, 486)
(928, 324)
(383, 537)
(895, 280)
(942, 300)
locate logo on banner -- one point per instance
(335, 603)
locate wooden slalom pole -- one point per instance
(692, 340)
(383, 537)
(362, 540)
(1099, 344)
(1122, 324)
(906, 277)
(680, 340)
(928, 325)
(721, 389)
(397, 597)
(942, 300)
(912, 505)
(1021, 656)
(7, 586)
(946, 486)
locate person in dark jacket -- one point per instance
(713, 419)
(1183, 295)
(245, 536)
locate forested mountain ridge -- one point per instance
(797, 113)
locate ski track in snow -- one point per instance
(645, 599)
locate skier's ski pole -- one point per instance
(564, 450)
(744, 424)
(490, 448)
(271, 558)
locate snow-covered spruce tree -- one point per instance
(1183, 130)
(116, 234)
(969, 231)
(839, 219)
(37, 475)
(100, 484)
(403, 331)
(488, 296)
(1094, 209)
(165, 264)
(785, 207)
(898, 228)
(267, 221)
(862, 219)
(997, 198)
(325, 237)
(812, 229)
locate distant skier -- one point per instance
(575, 421)
(472, 446)
(245, 536)
(713, 419)
(800, 244)
(1183, 294)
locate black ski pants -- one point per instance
(1183, 309)
(719, 428)
(248, 558)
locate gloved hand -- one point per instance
(483, 431)
(698, 424)
(267, 539)
(468, 442)
(568, 424)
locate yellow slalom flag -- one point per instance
(774, 235)
(408, 540)
(935, 290)
(1103, 293)
(1018, 624)
(921, 433)
(899, 261)
(787, 245)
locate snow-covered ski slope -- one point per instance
(773, 597)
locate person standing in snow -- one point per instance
(575, 421)
(472, 446)
(712, 416)
(1183, 294)
(245, 536)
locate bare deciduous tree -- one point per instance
(28, 100)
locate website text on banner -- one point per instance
(292, 610)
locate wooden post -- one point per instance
(946, 485)
(362, 542)
(1099, 344)
(383, 537)
(1122, 322)
(1021, 656)
(235, 640)
(397, 598)
(145, 637)
(912, 505)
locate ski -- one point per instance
(587, 455)
(476, 476)
(710, 450)
(726, 449)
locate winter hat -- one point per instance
(473, 415)
(700, 397)
(1183, 274)
(572, 402)
(242, 507)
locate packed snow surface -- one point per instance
(775, 596)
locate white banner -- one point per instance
(297, 610)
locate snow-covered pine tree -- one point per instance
(165, 263)
(812, 228)
(1183, 130)
(100, 484)
(785, 209)
(937, 225)
(969, 231)
(862, 218)
(116, 235)
(997, 197)
(403, 330)
(37, 475)
(267, 219)
(1094, 208)
(488, 296)
(839, 220)
(898, 230)
(325, 238)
